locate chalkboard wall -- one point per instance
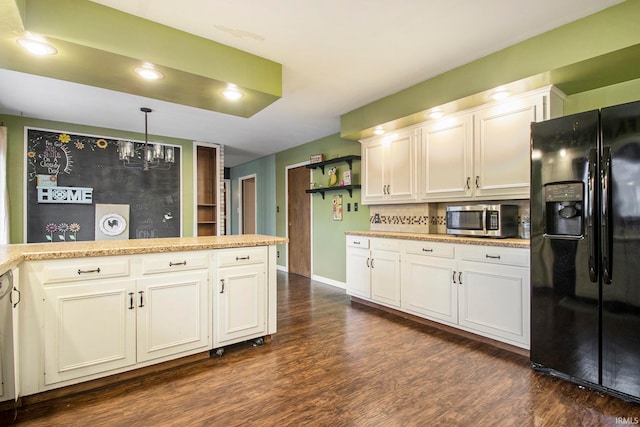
(69, 160)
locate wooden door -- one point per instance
(249, 206)
(299, 214)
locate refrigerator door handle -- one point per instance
(591, 182)
(607, 263)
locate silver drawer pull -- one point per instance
(243, 258)
(356, 242)
(97, 270)
(427, 250)
(171, 264)
(492, 256)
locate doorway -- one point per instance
(248, 205)
(299, 220)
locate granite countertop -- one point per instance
(12, 255)
(445, 238)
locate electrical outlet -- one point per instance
(376, 218)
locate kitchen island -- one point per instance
(90, 310)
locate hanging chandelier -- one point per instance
(146, 155)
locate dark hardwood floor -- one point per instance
(334, 363)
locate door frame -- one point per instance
(227, 207)
(286, 214)
(241, 201)
(217, 147)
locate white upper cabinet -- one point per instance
(389, 166)
(447, 158)
(502, 144)
(478, 154)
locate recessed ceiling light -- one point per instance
(436, 113)
(232, 93)
(148, 72)
(500, 93)
(37, 47)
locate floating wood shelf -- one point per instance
(323, 190)
(349, 159)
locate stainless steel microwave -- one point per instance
(497, 220)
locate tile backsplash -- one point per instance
(424, 217)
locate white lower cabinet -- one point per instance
(104, 314)
(495, 293)
(172, 314)
(88, 328)
(480, 289)
(374, 273)
(428, 281)
(239, 295)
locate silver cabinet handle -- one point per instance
(97, 270)
(131, 306)
(243, 258)
(460, 277)
(453, 277)
(371, 262)
(492, 256)
(171, 264)
(477, 179)
(427, 250)
(141, 293)
(468, 186)
(222, 283)
(368, 262)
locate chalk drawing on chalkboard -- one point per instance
(62, 229)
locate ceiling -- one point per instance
(336, 56)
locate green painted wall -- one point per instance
(265, 170)
(16, 162)
(329, 240)
(603, 97)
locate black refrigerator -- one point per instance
(585, 249)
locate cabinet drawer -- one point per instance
(89, 269)
(385, 244)
(358, 242)
(178, 261)
(440, 250)
(496, 255)
(241, 256)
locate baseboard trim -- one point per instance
(327, 281)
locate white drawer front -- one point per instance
(440, 250)
(178, 261)
(358, 242)
(88, 269)
(385, 244)
(496, 255)
(241, 256)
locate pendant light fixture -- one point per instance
(146, 156)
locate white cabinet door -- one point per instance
(389, 166)
(401, 167)
(502, 158)
(385, 277)
(373, 172)
(494, 300)
(239, 297)
(89, 327)
(172, 314)
(447, 159)
(430, 287)
(358, 273)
